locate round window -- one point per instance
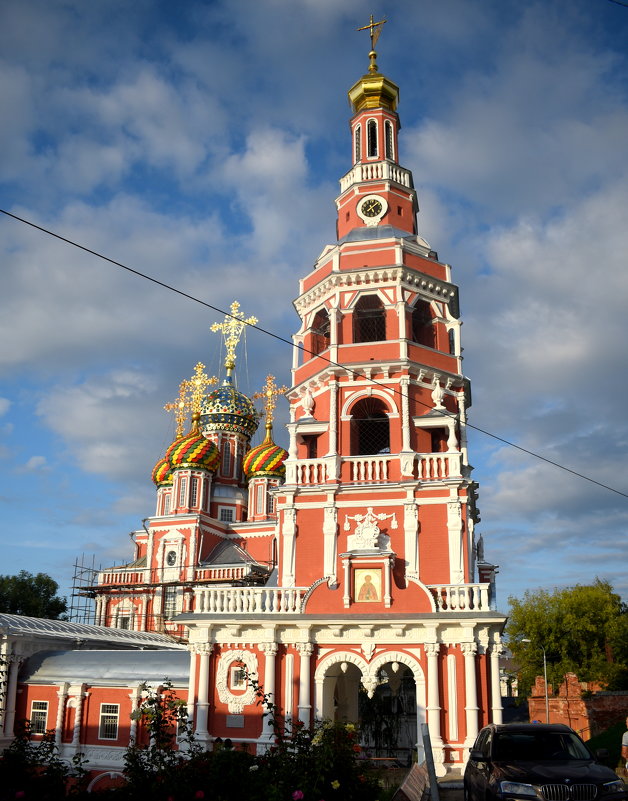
(171, 558)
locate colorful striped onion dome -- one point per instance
(193, 451)
(266, 459)
(226, 409)
(162, 474)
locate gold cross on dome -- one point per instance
(197, 385)
(375, 29)
(232, 329)
(180, 408)
(270, 392)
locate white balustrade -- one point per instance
(431, 466)
(368, 468)
(123, 577)
(250, 600)
(461, 597)
(375, 171)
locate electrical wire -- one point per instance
(355, 373)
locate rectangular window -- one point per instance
(108, 729)
(270, 505)
(183, 485)
(124, 622)
(259, 503)
(193, 491)
(170, 602)
(167, 504)
(39, 716)
(226, 515)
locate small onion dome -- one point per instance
(162, 474)
(193, 451)
(226, 409)
(266, 459)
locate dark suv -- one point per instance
(548, 762)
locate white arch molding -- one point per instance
(369, 392)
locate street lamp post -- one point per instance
(547, 720)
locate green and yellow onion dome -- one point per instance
(162, 474)
(193, 451)
(226, 409)
(266, 459)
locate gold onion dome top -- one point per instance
(193, 451)
(373, 90)
(266, 459)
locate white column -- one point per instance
(134, 697)
(333, 416)
(288, 543)
(433, 710)
(405, 413)
(403, 339)
(496, 695)
(330, 539)
(269, 650)
(411, 539)
(202, 703)
(62, 694)
(288, 694)
(78, 716)
(192, 685)
(469, 649)
(305, 649)
(11, 693)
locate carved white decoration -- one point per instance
(368, 648)
(307, 402)
(438, 393)
(235, 703)
(367, 535)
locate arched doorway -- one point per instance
(384, 697)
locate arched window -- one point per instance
(389, 140)
(370, 431)
(423, 330)
(452, 341)
(227, 463)
(369, 320)
(320, 332)
(371, 132)
(358, 143)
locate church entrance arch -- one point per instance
(385, 697)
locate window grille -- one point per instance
(227, 465)
(389, 140)
(170, 602)
(39, 715)
(270, 505)
(124, 622)
(370, 430)
(320, 332)
(371, 132)
(369, 320)
(167, 504)
(423, 330)
(193, 491)
(226, 515)
(358, 143)
(108, 729)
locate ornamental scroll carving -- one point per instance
(235, 703)
(367, 535)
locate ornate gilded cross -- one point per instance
(180, 408)
(375, 29)
(232, 329)
(197, 385)
(270, 392)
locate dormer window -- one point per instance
(357, 138)
(371, 131)
(369, 320)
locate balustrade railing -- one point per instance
(251, 600)
(116, 576)
(376, 171)
(431, 466)
(461, 597)
(368, 468)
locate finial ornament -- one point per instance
(232, 328)
(375, 29)
(270, 392)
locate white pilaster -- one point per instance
(305, 649)
(470, 649)
(202, 704)
(269, 650)
(496, 696)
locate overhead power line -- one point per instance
(356, 373)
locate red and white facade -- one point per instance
(357, 575)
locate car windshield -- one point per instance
(538, 746)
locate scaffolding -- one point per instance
(82, 608)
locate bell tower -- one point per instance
(379, 401)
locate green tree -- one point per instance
(33, 596)
(583, 629)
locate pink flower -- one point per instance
(199, 794)
(297, 795)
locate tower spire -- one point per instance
(232, 328)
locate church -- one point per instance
(344, 574)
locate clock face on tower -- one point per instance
(371, 209)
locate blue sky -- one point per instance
(202, 143)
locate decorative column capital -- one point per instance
(305, 648)
(469, 648)
(432, 649)
(268, 648)
(203, 648)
